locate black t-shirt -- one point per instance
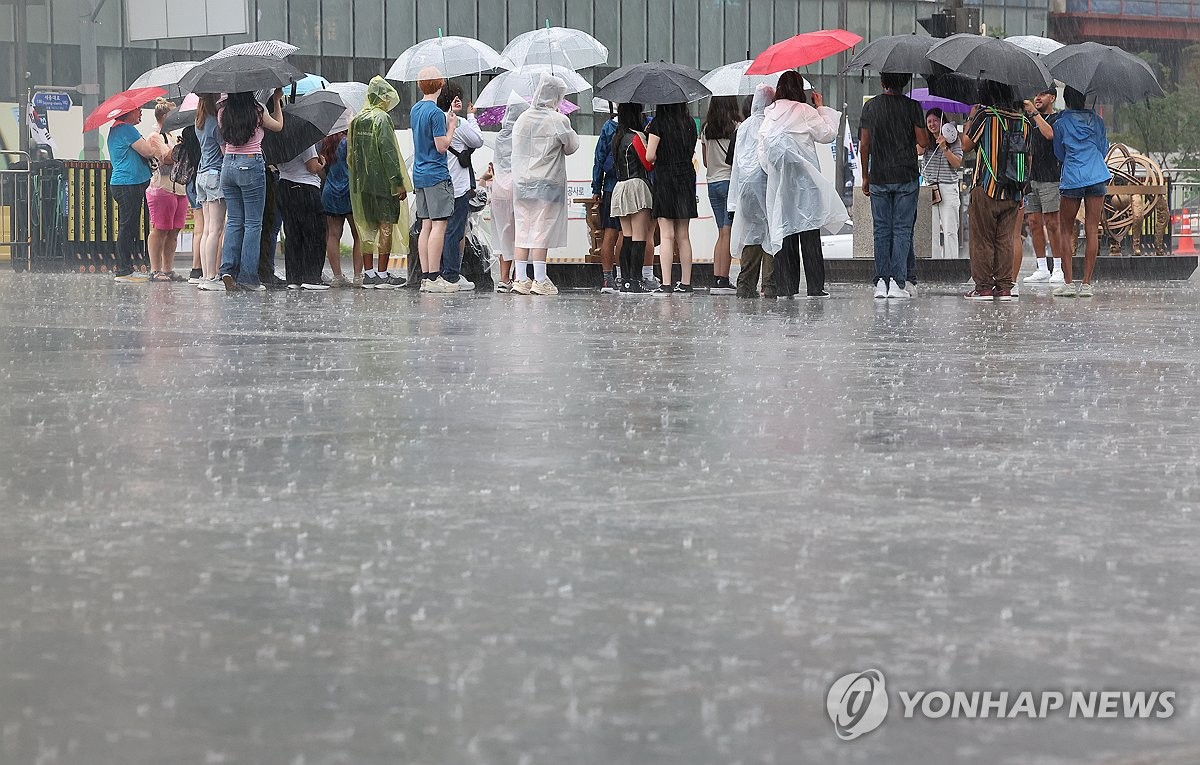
(1044, 166)
(892, 120)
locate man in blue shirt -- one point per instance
(432, 129)
(604, 180)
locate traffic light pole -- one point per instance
(90, 71)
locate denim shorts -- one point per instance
(718, 199)
(208, 187)
(1095, 190)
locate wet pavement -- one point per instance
(355, 527)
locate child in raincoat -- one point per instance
(800, 199)
(748, 202)
(504, 225)
(379, 184)
(542, 139)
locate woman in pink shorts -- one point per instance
(168, 205)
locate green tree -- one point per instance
(1168, 129)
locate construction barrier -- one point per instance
(91, 220)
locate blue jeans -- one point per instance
(456, 229)
(718, 199)
(893, 215)
(244, 184)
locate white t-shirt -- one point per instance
(466, 136)
(294, 170)
(714, 158)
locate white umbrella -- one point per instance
(268, 48)
(1039, 46)
(732, 80)
(524, 81)
(557, 47)
(354, 96)
(165, 76)
(452, 56)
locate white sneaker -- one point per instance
(314, 286)
(544, 287)
(1015, 291)
(522, 286)
(1040, 275)
(1056, 278)
(464, 285)
(211, 284)
(896, 291)
(441, 285)
(911, 289)
(881, 290)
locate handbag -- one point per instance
(937, 194)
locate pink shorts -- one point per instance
(168, 211)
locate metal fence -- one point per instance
(16, 205)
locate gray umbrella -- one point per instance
(239, 74)
(1105, 73)
(987, 58)
(653, 84)
(897, 53)
(304, 123)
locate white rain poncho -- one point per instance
(799, 196)
(542, 139)
(748, 182)
(503, 224)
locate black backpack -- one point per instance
(1014, 154)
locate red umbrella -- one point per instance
(802, 50)
(121, 103)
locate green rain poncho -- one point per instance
(377, 169)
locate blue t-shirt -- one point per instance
(335, 195)
(212, 145)
(429, 164)
(129, 167)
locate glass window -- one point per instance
(269, 20)
(368, 27)
(304, 25)
(8, 72)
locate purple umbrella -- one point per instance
(495, 115)
(927, 101)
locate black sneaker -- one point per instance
(633, 288)
(397, 282)
(371, 282)
(194, 276)
(663, 290)
(721, 286)
(684, 288)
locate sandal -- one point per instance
(159, 276)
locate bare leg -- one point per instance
(722, 257)
(666, 251)
(608, 249)
(197, 229)
(683, 244)
(1092, 207)
(437, 237)
(170, 247)
(356, 254)
(214, 232)
(383, 248)
(154, 244)
(1067, 210)
(334, 225)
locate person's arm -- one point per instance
(450, 124)
(468, 130)
(974, 127)
(953, 158)
(1038, 121)
(864, 154)
(652, 149)
(603, 147)
(315, 165)
(704, 153)
(921, 134)
(274, 120)
(569, 139)
(1060, 149)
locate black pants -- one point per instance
(131, 200)
(787, 263)
(266, 243)
(303, 231)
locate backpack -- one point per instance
(1014, 155)
(183, 171)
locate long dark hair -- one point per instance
(721, 121)
(240, 118)
(791, 87)
(450, 91)
(674, 125)
(629, 117)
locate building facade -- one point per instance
(357, 39)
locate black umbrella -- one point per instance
(1106, 73)
(987, 58)
(239, 74)
(652, 84)
(897, 53)
(178, 119)
(304, 123)
(956, 87)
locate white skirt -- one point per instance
(630, 196)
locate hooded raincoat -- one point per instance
(542, 139)
(799, 196)
(377, 169)
(503, 224)
(748, 181)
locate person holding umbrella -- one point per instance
(891, 127)
(131, 155)
(800, 200)
(244, 184)
(542, 139)
(671, 148)
(504, 225)
(941, 172)
(1081, 144)
(379, 182)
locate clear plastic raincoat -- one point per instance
(503, 224)
(799, 196)
(377, 169)
(748, 182)
(542, 139)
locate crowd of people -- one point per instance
(770, 200)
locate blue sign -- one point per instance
(52, 102)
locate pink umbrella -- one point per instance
(495, 115)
